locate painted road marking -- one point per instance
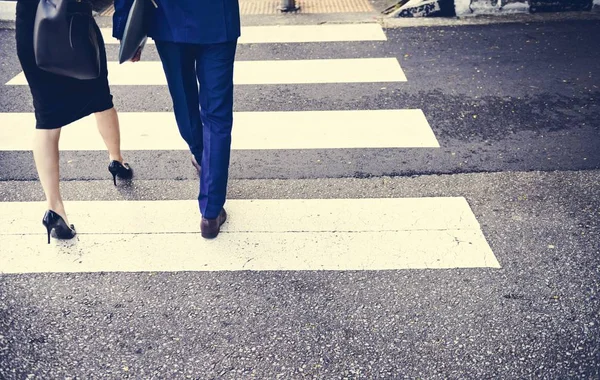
(252, 130)
(353, 70)
(296, 34)
(276, 215)
(312, 234)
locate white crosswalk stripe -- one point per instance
(253, 130)
(290, 235)
(313, 71)
(296, 34)
(286, 234)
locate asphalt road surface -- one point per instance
(511, 126)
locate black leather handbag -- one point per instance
(65, 39)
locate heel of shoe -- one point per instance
(48, 229)
(209, 235)
(113, 170)
(210, 228)
(48, 222)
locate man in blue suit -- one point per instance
(196, 41)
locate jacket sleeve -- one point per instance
(122, 8)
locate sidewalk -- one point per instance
(266, 12)
(256, 11)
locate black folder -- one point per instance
(135, 35)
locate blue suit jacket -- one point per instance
(185, 21)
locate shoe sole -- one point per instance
(210, 236)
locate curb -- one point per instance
(389, 22)
(467, 8)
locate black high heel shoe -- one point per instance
(122, 171)
(53, 221)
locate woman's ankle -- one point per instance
(58, 207)
(118, 158)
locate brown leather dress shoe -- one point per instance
(196, 164)
(210, 228)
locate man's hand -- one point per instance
(137, 56)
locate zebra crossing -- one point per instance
(275, 234)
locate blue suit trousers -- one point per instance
(200, 79)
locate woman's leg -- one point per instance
(45, 153)
(108, 125)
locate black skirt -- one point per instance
(58, 100)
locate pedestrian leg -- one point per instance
(179, 64)
(215, 74)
